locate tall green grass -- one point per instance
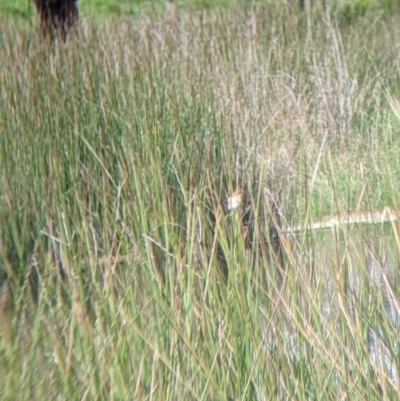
(125, 277)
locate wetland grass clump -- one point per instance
(125, 276)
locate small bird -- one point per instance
(235, 201)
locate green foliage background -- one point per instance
(97, 8)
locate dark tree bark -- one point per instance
(302, 4)
(57, 16)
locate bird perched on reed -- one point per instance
(235, 200)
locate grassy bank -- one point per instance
(106, 8)
(100, 9)
(124, 275)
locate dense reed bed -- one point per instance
(124, 274)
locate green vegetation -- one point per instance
(87, 8)
(106, 8)
(347, 9)
(124, 276)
